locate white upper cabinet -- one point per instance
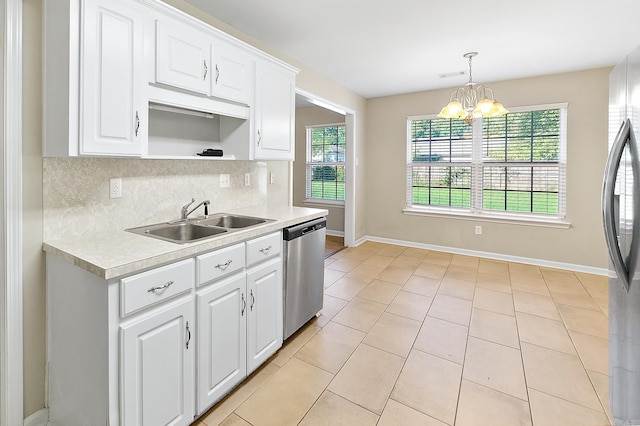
(274, 112)
(113, 101)
(193, 60)
(94, 88)
(182, 57)
(106, 62)
(233, 74)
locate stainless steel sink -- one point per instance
(224, 220)
(192, 230)
(184, 232)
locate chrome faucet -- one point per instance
(186, 212)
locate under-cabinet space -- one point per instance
(183, 133)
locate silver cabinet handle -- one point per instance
(217, 73)
(244, 305)
(162, 287)
(137, 123)
(188, 335)
(224, 265)
(253, 300)
(206, 70)
(265, 250)
(259, 137)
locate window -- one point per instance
(326, 146)
(512, 165)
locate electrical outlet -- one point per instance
(224, 181)
(478, 230)
(247, 179)
(115, 188)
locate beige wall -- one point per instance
(583, 244)
(33, 257)
(311, 116)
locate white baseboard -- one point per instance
(39, 418)
(489, 255)
(335, 233)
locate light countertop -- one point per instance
(113, 254)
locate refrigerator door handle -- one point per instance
(625, 134)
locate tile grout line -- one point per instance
(451, 266)
(524, 370)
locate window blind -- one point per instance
(326, 149)
(514, 164)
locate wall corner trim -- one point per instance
(11, 306)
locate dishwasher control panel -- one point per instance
(301, 229)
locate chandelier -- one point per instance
(472, 100)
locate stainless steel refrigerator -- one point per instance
(621, 214)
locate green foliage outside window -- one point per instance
(326, 162)
(519, 168)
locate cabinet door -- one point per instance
(222, 311)
(157, 367)
(264, 322)
(274, 113)
(113, 106)
(233, 74)
(183, 57)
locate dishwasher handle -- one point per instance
(301, 229)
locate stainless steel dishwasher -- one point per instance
(303, 272)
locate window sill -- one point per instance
(324, 203)
(490, 217)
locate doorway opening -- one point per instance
(312, 111)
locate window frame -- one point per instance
(309, 164)
(476, 211)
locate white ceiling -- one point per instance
(382, 47)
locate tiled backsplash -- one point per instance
(76, 191)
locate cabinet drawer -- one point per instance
(156, 285)
(263, 248)
(220, 263)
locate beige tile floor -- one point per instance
(417, 337)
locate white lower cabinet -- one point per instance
(239, 317)
(162, 346)
(157, 367)
(264, 328)
(222, 339)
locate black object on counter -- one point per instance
(209, 152)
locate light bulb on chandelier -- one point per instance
(472, 100)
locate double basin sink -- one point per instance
(191, 230)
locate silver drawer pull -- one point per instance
(265, 250)
(224, 265)
(162, 287)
